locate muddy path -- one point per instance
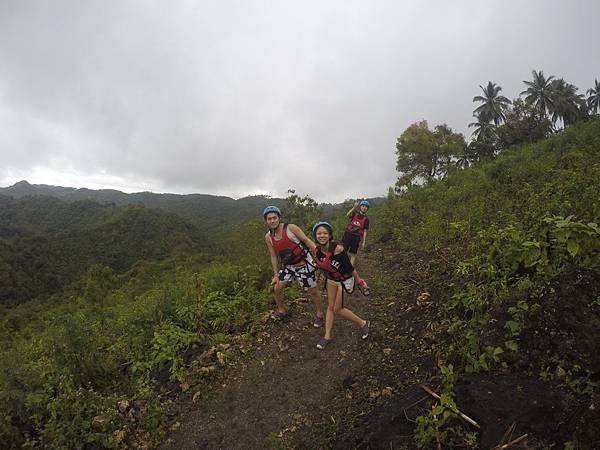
(280, 391)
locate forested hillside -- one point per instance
(121, 294)
(46, 243)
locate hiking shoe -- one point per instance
(362, 285)
(364, 330)
(323, 343)
(319, 321)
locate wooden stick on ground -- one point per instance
(464, 416)
(508, 434)
(511, 443)
(415, 403)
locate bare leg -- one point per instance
(331, 296)
(338, 309)
(316, 296)
(278, 294)
(329, 316)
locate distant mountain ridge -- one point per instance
(47, 243)
(204, 209)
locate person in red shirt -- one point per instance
(356, 230)
(333, 260)
(290, 252)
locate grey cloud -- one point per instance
(242, 97)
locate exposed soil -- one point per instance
(277, 390)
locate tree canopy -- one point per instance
(425, 154)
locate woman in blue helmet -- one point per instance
(356, 230)
(333, 260)
(289, 249)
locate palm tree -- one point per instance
(539, 92)
(464, 160)
(493, 106)
(567, 105)
(467, 158)
(481, 127)
(593, 100)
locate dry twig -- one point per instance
(415, 403)
(464, 416)
(404, 409)
(508, 434)
(511, 443)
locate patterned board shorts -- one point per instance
(306, 275)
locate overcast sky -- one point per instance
(255, 97)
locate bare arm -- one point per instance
(364, 240)
(352, 210)
(274, 259)
(303, 238)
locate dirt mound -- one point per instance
(565, 330)
(495, 403)
(390, 425)
(549, 390)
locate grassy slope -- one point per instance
(471, 242)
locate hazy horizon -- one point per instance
(174, 193)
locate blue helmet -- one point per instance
(271, 209)
(364, 203)
(322, 224)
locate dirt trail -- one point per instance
(283, 388)
(281, 392)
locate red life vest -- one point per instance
(289, 252)
(325, 262)
(356, 226)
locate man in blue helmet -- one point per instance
(291, 260)
(356, 230)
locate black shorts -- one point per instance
(351, 242)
